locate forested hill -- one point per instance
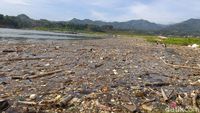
(129, 25)
(23, 21)
(190, 27)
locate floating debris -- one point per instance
(4, 105)
(108, 75)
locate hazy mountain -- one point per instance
(129, 25)
(23, 17)
(186, 28)
(88, 21)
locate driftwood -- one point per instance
(196, 83)
(36, 76)
(28, 103)
(179, 66)
(155, 91)
(103, 107)
(51, 101)
(9, 51)
(130, 107)
(55, 101)
(65, 100)
(4, 105)
(148, 101)
(19, 77)
(147, 108)
(2, 74)
(194, 99)
(20, 59)
(157, 84)
(45, 74)
(41, 103)
(164, 95)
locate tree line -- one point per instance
(23, 21)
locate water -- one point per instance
(43, 35)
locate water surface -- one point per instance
(33, 34)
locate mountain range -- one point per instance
(129, 25)
(189, 27)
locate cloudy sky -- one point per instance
(159, 11)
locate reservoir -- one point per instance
(40, 35)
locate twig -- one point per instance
(164, 95)
(52, 101)
(27, 103)
(196, 83)
(148, 101)
(157, 84)
(37, 76)
(179, 66)
(2, 74)
(65, 100)
(9, 51)
(194, 99)
(148, 108)
(171, 94)
(19, 77)
(103, 107)
(20, 59)
(155, 91)
(45, 74)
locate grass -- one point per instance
(182, 41)
(174, 40)
(62, 30)
(150, 38)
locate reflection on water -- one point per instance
(33, 34)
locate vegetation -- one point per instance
(24, 22)
(174, 40)
(189, 28)
(137, 28)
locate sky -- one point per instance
(158, 11)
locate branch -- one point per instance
(19, 59)
(37, 76)
(179, 66)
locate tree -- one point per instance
(107, 27)
(1, 17)
(94, 28)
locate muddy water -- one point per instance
(33, 34)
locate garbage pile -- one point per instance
(108, 75)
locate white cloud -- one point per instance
(155, 12)
(102, 3)
(159, 11)
(162, 11)
(17, 2)
(98, 15)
